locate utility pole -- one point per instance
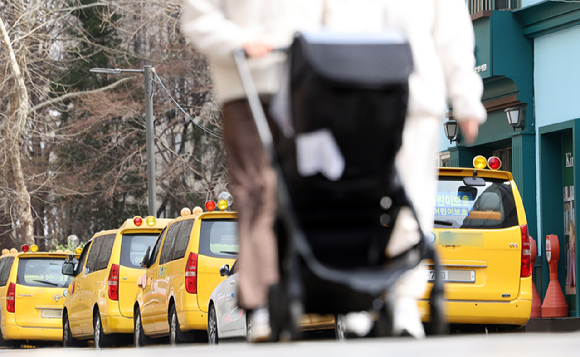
(149, 128)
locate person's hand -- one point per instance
(469, 128)
(257, 49)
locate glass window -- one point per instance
(83, 258)
(167, 248)
(133, 248)
(93, 255)
(105, 251)
(42, 272)
(461, 206)
(100, 253)
(219, 238)
(155, 251)
(182, 239)
(5, 268)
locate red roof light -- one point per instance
(494, 163)
(210, 205)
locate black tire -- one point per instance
(140, 339)
(174, 328)
(100, 339)
(67, 338)
(212, 328)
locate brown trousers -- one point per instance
(254, 191)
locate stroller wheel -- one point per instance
(384, 325)
(340, 327)
(437, 325)
(275, 306)
(295, 314)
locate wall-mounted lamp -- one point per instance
(515, 117)
(451, 130)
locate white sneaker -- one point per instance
(407, 317)
(359, 323)
(259, 325)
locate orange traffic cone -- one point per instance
(536, 299)
(554, 302)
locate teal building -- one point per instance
(527, 53)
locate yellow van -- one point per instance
(482, 239)
(32, 291)
(182, 272)
(99, 303)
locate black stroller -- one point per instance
(339, 192)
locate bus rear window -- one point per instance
(461, 206)
(134, 246)
(219, 238)
(42, 272)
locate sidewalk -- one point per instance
(555, 324)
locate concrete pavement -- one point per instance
(492, 345)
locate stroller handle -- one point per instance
(256, 108)
(274, 50)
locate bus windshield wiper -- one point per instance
(46, 282)
(445, 223)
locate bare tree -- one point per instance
(72, 147)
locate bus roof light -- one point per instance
(479, 162)
(138, 221)
(494, 163)
(151, 221)
(210, 205)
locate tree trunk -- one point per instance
(15, 128)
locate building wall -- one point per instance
(557, 76)
(530, 2)
(556, 86)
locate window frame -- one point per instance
(83, 258)
(4, 261)
(20, 276)
(97, 247)
(164, 259)
(184, 224)
(157, 247)
(205, 239)
(127, 241)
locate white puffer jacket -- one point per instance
(442, 42)
(440, 33)
(218, 27)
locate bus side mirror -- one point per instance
(225, 270)
(68, 268)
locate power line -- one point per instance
(207, 130)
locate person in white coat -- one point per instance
(441, 36)
(218, 28)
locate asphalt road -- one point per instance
(481, 345)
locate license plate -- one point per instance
(52, 313)
(453, 276)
